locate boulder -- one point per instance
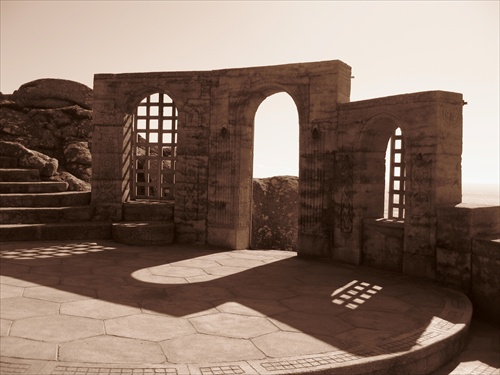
(74, 183)
(275, 213)
(78, 160)
(53, 93)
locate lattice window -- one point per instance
(154, 148)
(397, 177)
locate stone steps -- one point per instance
(34, 215)
(89, 230)
(34, 210)
(8, 162)
(19, 175)
(61, 199)
(32, 187)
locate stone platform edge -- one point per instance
(414, 352)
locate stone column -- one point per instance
(111, 142)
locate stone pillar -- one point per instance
(318, 143)
(433, 177)
(191, 174)
(111, 142)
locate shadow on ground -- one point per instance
(228, 292)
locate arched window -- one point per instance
(154, 148)
(395, 177)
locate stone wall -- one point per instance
(215, 145)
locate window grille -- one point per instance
(154, 148)
(397, 177)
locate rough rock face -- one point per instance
(52, 117)
(275, 213)
(53, 93)
(30, 159)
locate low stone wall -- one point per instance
(468, 255)
(383, 242)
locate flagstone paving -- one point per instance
(103, 308)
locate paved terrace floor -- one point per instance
(103, 308)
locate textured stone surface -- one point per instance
(109, 349)
(58, 328)
(53, 93)
(97, 309)
(232, 325)
(297, 313)
(275, 213)
(204, 348)
(148, 327)
(19, 308)
(27, 158)
(56, 124)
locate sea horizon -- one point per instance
(481, 194)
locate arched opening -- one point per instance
(395, 177)
(154, 148)
(276, 137)
(275, 174)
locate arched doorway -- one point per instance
(275, 198)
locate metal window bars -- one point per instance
(154, 148)
(397, 177)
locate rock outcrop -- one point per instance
(53, 93)
(52, 117)
(275, 213)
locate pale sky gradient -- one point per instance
(393, 48)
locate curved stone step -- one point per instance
(144, 233)
(19, 175)
(93, 230)
(32, 187)
(62, 199)
(34, 215)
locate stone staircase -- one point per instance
(31, 209)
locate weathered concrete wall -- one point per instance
(341, 167)
(215, 145)
(468, 254)
(431, 127)
(383, 244)
(485, 278)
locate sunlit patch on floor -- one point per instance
(354, 294)
(54, 251)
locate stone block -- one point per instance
(486, 277)
(144, 233)
(422, 266)
(453, 269)
(148, 210)
(456, 225)
(383, 244)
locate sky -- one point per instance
(393, 47)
